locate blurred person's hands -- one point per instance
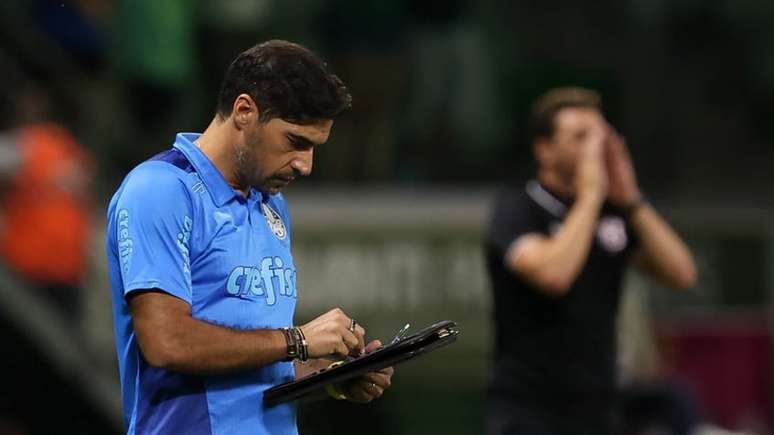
(591, 174)
(623, 191)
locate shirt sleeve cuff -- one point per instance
(166, 287)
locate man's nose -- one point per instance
(302, 162)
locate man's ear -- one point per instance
(244, 112)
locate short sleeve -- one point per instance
(153, 218)
(513, 216)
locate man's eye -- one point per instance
(299, 144)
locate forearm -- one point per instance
(554, 263)
(568, 250)
(663, 253)
(197, 347)
(169, 337)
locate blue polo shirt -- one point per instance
(176, 225)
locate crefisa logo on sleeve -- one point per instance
(125, 244)
(182, 242)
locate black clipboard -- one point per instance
(433, 337)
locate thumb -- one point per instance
(372, 346)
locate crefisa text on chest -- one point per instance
(269, 279)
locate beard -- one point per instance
(247, 173)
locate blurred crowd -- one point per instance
(441, 88)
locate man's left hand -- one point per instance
(372, 385)
(623, 190)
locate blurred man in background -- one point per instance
(556, 251)
(204, 284)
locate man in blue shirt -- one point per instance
(203, 281)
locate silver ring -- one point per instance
(373, 385)
(352, 325)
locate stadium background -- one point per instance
(389, 225)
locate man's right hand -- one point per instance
(329, 335)
(591, 173)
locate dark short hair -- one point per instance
(547, 106)
(286, 81)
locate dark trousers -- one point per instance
(511, 416)
(668, 408)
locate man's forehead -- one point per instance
(578, 117)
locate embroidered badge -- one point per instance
(611, 234)
(274, 221)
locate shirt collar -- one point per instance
(546, 199)
(216, 184)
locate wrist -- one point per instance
(631, 208)
(296, 345)
(593, 197)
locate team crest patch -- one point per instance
(611, 234)
(274, 221)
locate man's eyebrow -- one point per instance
(300, 140)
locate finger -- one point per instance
(371, 389)
(623, 147)
(598, 146)
(336, 313)
(594, 151)
(352, 342)
(360, 392)
(372, 346)
(344, 320)
(389, 371)
(341, 351)
(618, 144)
(615, 145)
(381, 380)
(348, 337)
(375, 390)
(610, 154)
(360, 333)
(598, 135)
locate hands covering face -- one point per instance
(623, 190)
(605, 168)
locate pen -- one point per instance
(400, 334)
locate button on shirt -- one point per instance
(177, 226)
